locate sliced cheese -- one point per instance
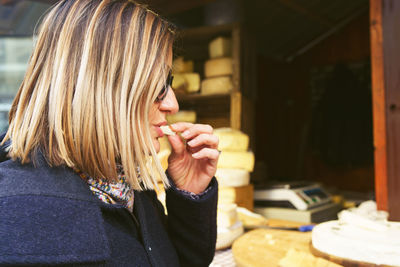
(167, 130)
(232, 177)
(250, 219)
(226, 215)
(190, 82)
(231, 140)
(226, 236)
(241, 196)
(216, 85)
(220, 47)
(182, 116)
(238, 160)
(179, 65)
(218, 67)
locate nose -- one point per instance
(169, 104)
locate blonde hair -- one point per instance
(97, 68)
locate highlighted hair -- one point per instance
(96, 69)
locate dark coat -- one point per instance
(49, 216)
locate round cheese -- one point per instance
(232, 177)
(357, 243)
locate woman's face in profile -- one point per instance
(159, 110)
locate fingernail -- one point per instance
(191, 143)
(195, 155)
(185, 134)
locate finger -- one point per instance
(204, 139)
(197, 129)
(207, 153)
(181, 126)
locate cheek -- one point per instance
(153, 113)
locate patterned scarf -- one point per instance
(111, 192)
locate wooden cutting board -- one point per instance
(266, 247)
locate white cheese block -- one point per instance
(190, 82)
(179, 65)
(216, 85)
(182, 116)
(226, 215)
(226, 236)
(218, 67)
(232, 177)
(220, 47)
(231, 140)
(236, 160)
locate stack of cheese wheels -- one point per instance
(234, 166)
(233, 174)
(184, 78)
(218, 69)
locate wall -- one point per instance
(284, 111)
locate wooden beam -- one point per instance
(385, 61)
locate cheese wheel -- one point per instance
(242, 196)
(220, 47)
(238, 160)
(181, 66)
(216, 85)
(218, 67)
(232, 177)
(226, 215)
(182, 116)
(190, 82)
(231, 140)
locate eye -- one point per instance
(164, 91)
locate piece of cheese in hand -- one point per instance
(231, 140)
(218, 67)
(167, 130)
(216, 85)
(220, 47)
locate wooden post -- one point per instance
(385, 61)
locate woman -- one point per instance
(83, 138)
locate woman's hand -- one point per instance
(193, 165)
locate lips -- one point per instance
(159, 131)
